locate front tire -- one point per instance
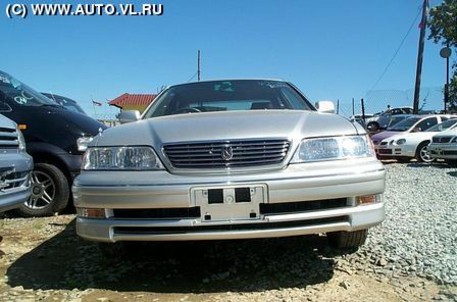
(50, 192)
(347, 240)
(422, 154)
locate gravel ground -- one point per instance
(419, 236)
(412, 256)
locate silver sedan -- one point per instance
(230, 159)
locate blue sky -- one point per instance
(332, 50)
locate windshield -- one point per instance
(21, 93)
(227, 96)
(68, 103)
(395, 119)
(449, 124)
(405, 124)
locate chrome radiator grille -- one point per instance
(227, 154)
(8, 138)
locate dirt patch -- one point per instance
(44, 260)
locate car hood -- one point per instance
(384, 134)
(226, 126)
(6, 122)
(414, 137)
(448, 132)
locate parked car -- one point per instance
(230, 159)
(386, 121)
(65, 101)
(56, 139)
(381, 121)
(15, 166)
(444, 146)
(415, 123)
(408, 145)
(361, 119)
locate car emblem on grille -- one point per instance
(227, 152)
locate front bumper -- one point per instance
(443, 151)
(305, 195)
(393, 151)
(15, 179)
(14, 198)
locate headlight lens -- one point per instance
(454, 140)
(83, 142)
(333, 148)
(401, 141)
(20, 140)
(121, 158)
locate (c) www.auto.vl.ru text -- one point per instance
(23, 10)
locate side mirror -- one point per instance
(325, 107)
(128, 116)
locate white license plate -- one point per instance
(229, 202)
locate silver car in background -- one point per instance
(15, 166)
(444, 146)
(230, 159)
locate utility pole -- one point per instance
(362, 103)
(420, 55)
(353, 107)
(198, 67)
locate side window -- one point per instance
(427, 123)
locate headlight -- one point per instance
(83, 142)
(20, 140)
(333, 148)
(121, 158)
(401, 141)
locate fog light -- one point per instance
(367, 199)
(91, 213)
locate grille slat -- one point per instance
(240, 154)
(8, 138)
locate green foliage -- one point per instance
(453, 94)
(443, 23)
(443, 29)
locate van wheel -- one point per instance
(50, 192)
(347, 240)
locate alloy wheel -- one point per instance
(43, 191)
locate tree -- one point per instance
(443, 30)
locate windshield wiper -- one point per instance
(51, 105)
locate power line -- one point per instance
(195, 74)
(397, 51)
